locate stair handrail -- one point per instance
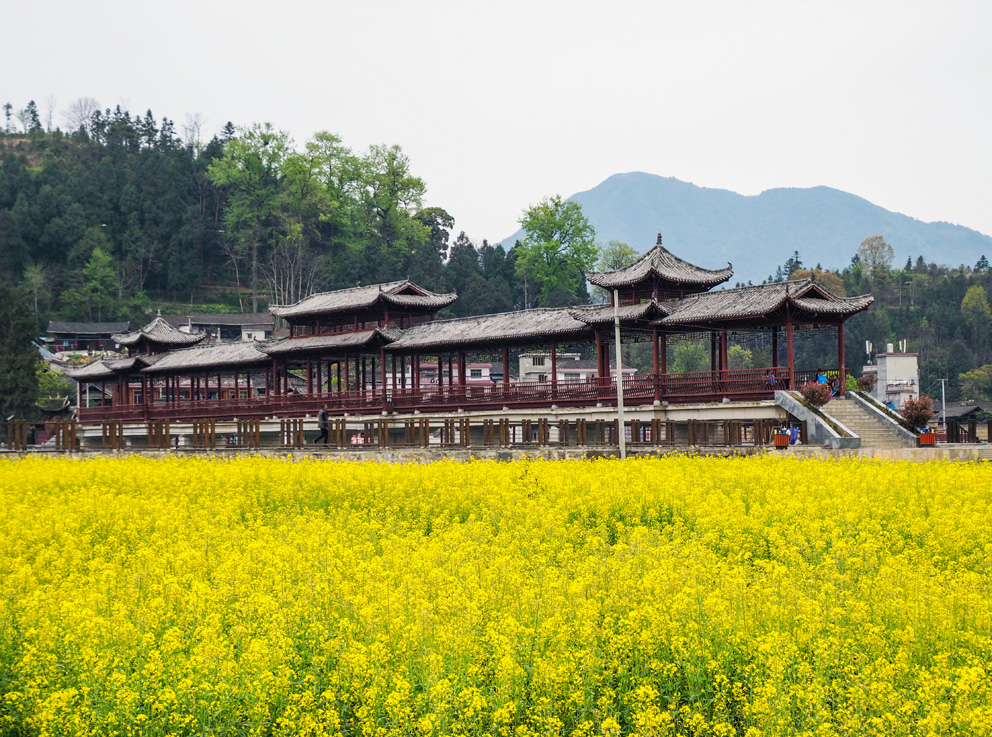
(817, 423)
(885, 417)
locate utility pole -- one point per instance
(943, 406)
(621, 424)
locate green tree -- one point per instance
(977, 383)
(614, 255)
(976, 311)
(96, 296)
(689, 358)
(18, 381)
(390, 196)
(558, 248)
(51, 384)
(35, 282)
(250, 170)
(425, 263)
(739, 357)
(876, 257)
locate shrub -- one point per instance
(917, 412)
(815, 395)
(867, 382)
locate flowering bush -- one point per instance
(918, 412)
(703, 596)
(815, 395)
(867, 382)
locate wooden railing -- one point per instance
(734, 384)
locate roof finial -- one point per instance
(659, 238)
(160, 312)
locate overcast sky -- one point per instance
(500, 104)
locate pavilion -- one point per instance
(365, 349)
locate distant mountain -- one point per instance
(758, 233)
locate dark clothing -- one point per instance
(322, 425)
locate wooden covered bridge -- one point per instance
(380, 348)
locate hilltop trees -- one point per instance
(559, 246)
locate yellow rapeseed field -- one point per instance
(693, 596)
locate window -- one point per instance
(475, 373)
(538, 360)
(542, 377)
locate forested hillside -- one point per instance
(124, 216)
(124, 213)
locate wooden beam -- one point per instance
(790, 355)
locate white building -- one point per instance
(537, 367)
(897, 377)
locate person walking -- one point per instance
(322, 425)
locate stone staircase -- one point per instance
(871, 430)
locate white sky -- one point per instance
(500, 104)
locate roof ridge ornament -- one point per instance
(659, 239)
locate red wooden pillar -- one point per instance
(440, 370)
(775, 347)
(713, 356)
(415, 373)
(599, 355)
(451, 377)
(309, 377)
(724, 355)
(382, 371)
(462, 366)
(841, 368)
(655, 364)
(554, 368)
(275, 376)
(392, 366)
(320, 379)
(664, 363)
(506, 367)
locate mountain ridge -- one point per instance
(757, 233)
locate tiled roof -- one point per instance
(357, 298)
(599, 314)
(523, 325)
(329, 343)
(88, 328)
(94, 371)
(105, 368)
(664, 265)
(215, 355)
(760, 300)
(159, 331)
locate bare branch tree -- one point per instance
(193, 131)
(292, 270)
(50, 104)
(80, 113)
(24, 118)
